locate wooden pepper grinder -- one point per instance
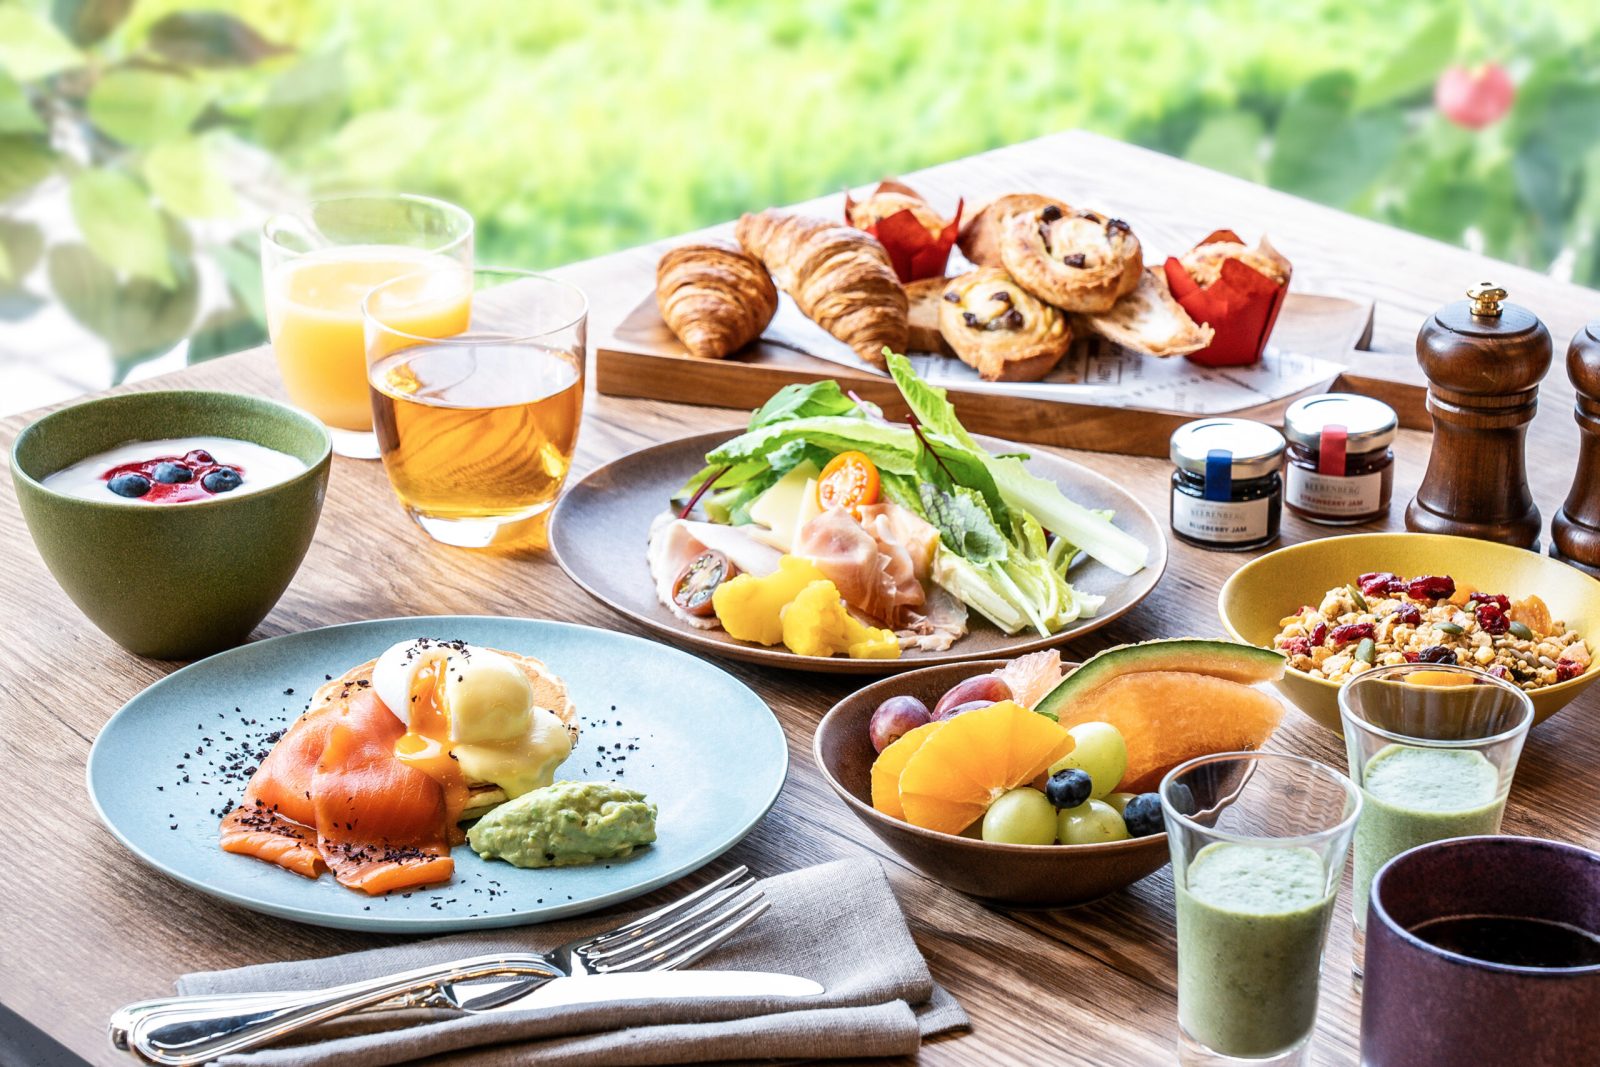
(1576, 528)
(1484, 360)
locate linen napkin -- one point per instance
(838, 924)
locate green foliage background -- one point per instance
(573, 129)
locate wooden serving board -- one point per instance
(639, 357)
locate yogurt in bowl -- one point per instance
(178, 470)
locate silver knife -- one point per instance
(529, 994)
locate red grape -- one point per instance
(989, 688)
(971, 705)
(895, 718)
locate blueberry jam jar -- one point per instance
(1340, 470)
(1227, 494)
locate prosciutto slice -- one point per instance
(675, 542)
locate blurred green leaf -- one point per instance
(21, 244)
(304, 105)
(241, 266)
(1322, 151)
(223, 333)
(121, 225)
(137, 319)
(88, 21)
(16, 113)
(25, 160)
(142, 107)
(1229, 142)
(186, 181)
(31, 48)
(1415, 64)
(1560, 108)
(211, 39)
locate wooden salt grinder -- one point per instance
(1576, 528)
(1484, 360)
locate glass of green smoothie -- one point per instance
(1259, 841)
(1433, 748)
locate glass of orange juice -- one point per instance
(317, 267)
(477, 429)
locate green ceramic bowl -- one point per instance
(172, 582)
(1267, 589)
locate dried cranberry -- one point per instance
(1431, 587)
(1319, 633)
(1351, 632)
(1433, 654)
(1409, 614)
(1297, 646)
(1491, 620)
(1566, 670)
(1378, 583)
(1412, 657)
(1499, 671)
(1500, 600)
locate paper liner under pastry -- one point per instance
(1241, 306)
(915, 251)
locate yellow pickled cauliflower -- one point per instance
(817, 624)
(750, 608)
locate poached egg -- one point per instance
(471, 717)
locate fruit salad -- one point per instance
(1030, 755)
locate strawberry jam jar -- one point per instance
(1340, 467)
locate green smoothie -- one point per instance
(1417, 795)
(1252, 920)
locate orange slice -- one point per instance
(890, 762)
(958, 771)
(1167, 717)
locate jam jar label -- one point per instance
(1222, 521)
(1334, 496)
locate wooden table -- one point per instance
(84, 927)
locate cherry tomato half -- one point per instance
(696, 582)
(849, 480)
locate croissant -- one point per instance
(714, 298)
(839, 276)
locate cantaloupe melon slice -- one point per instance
(890, 762)
(950, 781)
(1228, 660)
(1166, 717)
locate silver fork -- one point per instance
(179, 1031)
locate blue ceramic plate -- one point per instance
(652, 717)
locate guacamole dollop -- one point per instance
(565, 825)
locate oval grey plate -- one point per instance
(600, 528)
(164, 766)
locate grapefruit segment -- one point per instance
(1167, 717)
(959, 770)
(890, 762)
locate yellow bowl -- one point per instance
(1267, 589)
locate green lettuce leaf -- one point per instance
(799, 401)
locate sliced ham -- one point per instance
(675, 542)
(942, 624)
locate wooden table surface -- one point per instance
(84, 927)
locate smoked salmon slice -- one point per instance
(332, 796)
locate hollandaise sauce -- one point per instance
(426, 744)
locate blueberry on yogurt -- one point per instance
(221, 480)
(129, 485)
(172, 473)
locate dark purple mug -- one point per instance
(1440, 913)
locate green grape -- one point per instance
(1100, 753)
(1090, 824)
(1119, 801)
(1020, 817)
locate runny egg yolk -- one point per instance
(426, 743)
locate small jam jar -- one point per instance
(1340, 470)
(1226, 491)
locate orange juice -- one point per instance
(482, 431)
(314, 317)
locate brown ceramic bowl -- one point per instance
(1028, 876)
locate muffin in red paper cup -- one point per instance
(1236, 290)
(917, 238)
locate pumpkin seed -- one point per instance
(1449, 628)
(1366, 650)
(1521, 630)
(1360, 601)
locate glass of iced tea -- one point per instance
(477, 429)
(317, 267)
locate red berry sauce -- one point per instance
(198, 462)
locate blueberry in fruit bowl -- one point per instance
(172, 473)
(129, 485)
(1069, 788)
(222, 480)
(1143, 815)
